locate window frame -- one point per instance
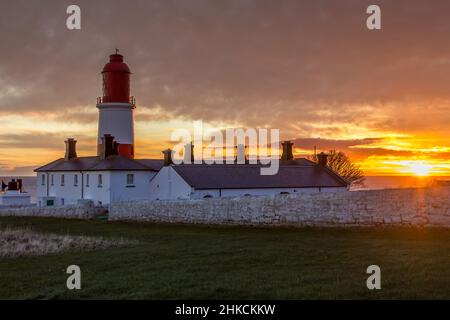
(129, 182)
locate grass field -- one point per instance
(193, 262)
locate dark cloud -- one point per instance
(329, 144)
(258, 62)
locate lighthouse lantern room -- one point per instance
(116, 106)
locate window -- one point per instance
(62, 180)
(62, 201)
(50, 203)
(87, 180)
(100, 180)
(43, 180)
(130, 179)
(75, 180)
(52, 178)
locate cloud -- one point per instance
(16, 171)
(254, 61)
(329, 144)
(37, 140)
(309, 68)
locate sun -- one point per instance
(420, 169)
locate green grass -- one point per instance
(201, 262)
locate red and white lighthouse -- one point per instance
(116, 106)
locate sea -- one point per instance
(370, 183)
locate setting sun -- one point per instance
(420, 169)
(417, 168)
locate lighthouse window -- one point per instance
(43, 180)
(100, 180)
(87, 180)
(62, 180)
(52, 178)
(130, 179)
(75, 180)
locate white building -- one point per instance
(102, 179)
(176, 182)
(114, 175)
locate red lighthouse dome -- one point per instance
(116, 80)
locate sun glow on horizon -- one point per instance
(420, 169)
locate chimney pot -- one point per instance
(287, 151)
(109, 146)
(167, 157)
(322, 159)
(71, 150)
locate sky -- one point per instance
(309, 68)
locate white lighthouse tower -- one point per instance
(116, 106)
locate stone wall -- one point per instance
(393, 207)
(79, 211)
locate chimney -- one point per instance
(188, 154)
(109, 146)
(240, 154)
(322, 159)
(13, 185)
(167, 157)
(20, 185)
(287, 151)
(71, 149)
(115, 147)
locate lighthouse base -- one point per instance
(117, 119)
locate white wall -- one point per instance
(41, 190)
(423, 207)
(15, 198)
(93, 191)
(140, 190)
(113, 188)
(168, 185)
(63, 195)
(215, 193)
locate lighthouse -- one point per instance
(116, 106)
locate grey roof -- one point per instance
(249, 176)
(155, 164)
(112, 163)
(298, 161)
